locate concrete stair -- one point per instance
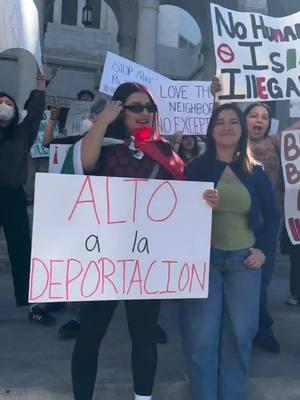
(35, 364)
(258, 389)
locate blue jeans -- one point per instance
(217, 332)
(265, 319)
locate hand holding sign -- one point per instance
(215, 86)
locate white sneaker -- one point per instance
(292, 301)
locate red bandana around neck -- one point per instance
(146, 141)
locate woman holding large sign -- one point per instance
(132, 148)
(217, 332)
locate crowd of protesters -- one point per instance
(242, 161)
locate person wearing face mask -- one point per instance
(15, 143)
(124, 142)
(70, 329)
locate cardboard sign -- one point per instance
(38, 150)
(119, 238)
(57, 155)
(119, 70)
(290, 158)
(256, 55)
(78, 111)
(19, 27)
(184, 106)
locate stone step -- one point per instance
(258, 389)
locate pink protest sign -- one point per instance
(290, 158)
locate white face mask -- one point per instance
(6, 112)
(85, 125)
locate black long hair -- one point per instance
(8, 130)
(260, 104)
(117, 129)
(242, 153)
(195, 150)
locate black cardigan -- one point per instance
(15, 147)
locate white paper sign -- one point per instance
(19, 27)
(119, 70)
(58, 153)
(38, 150)
(78, 111)
(290, 158)
(295, 109)
(184, 106)
(257, 55)
(118, 238)
(274, 128)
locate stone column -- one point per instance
(81, 4)
(127, 45)
(57, 11)
(146, 46)
(26, 71)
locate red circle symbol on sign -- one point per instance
(225, 53)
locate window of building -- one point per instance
(69, 12)
(184, 43)
(50, 12)
(96, 7)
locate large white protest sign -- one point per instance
(119, 70)
(290, 158)
(184, 106)
(19, 27)
(257, 55)
(57, 155)
(118, 238)
(79, 110)
(38, 150)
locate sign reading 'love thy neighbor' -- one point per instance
(257, 55)
(118, 238)
(184, 106)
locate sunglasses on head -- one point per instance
(139, 108)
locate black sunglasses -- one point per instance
(139, 108)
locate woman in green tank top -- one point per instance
(217, 332)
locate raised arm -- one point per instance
(92, 142)
(49, 131)
(215, 87)
(177, 141)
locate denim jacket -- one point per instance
(264, 215)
